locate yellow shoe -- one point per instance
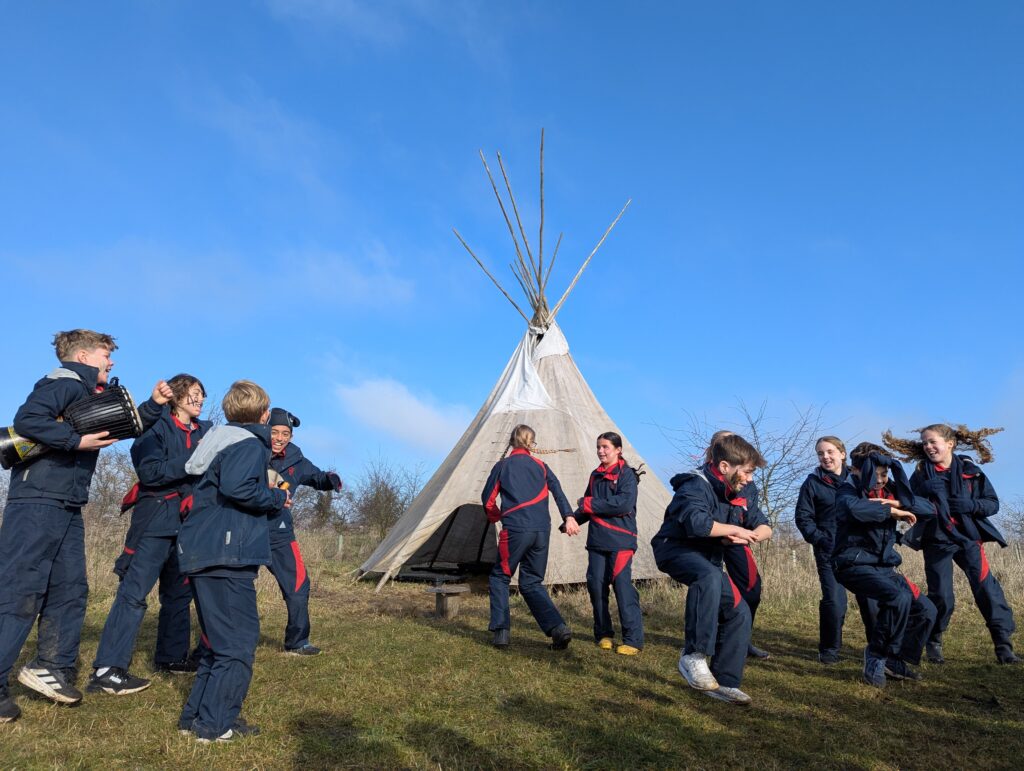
(627, 650)
(605, 643)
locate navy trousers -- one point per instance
(905, 616)
(988, 594)
(155, 559)
(742, 569)
(527, 551)
(832, 606)
(717, 620)
(226, 606)
(614, 569)
(290, 571)
(42, 573)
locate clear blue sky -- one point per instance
(827, 206)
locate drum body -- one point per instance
(110, 410)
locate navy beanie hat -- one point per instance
(279, 417)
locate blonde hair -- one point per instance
(961, 436)
(522, 437)
(67, 344)
(835, 441)
(245, 402)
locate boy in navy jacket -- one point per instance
(42, 539)
(286, 558)
(159, 501)
(689, 548)
(524, 483)
(610, 506)
(221, 547)
(869, 503)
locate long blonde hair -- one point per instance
(910, 450)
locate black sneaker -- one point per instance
(242, 728)
(828, 657)
(934, 652)
(55, 684)
(117, 682)
(303, 650)
(561, 636)
(9, 710)
(184, 667)
(1007, 657)
(898, 669)
(753, 652)
(502, 638)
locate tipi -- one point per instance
(541, 386)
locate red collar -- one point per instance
(520, 451)
(940, 469)
(721, 478)
(192, 426)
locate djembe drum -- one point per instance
(111, 410)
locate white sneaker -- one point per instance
(694, 667)
(227, 736)
(730, 695)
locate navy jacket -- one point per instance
(231, 501)
(700, 500)
(865, 530)
(62, 476)
(815, 514)
(524, 483)
(745, 509)
(964, 500)
(164, 488)
(610, 506)
(297, 470)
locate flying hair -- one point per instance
(911, 450)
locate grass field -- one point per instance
(397, 688)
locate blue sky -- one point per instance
(826, 206)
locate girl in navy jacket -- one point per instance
(964, 500)
(159, 501)
(816, 520)
(610, 506)
(875, 496)
(524, 482)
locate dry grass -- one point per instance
(397, 688)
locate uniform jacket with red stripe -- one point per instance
(610, 506)
(815, 514)
(865, 530)
(700, 500)
(523, 482)
(162, 495)
(962, 507)
(297, 470)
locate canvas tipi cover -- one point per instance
(541, 387)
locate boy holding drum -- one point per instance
(42, 539)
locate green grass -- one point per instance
(397, 688)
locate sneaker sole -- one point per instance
(93, 688)
(712, 686)
(300, 655)
(728, 700)
(31, 681)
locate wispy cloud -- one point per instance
(264, 130)
(478, 29)
(326, 279)
(389, 406)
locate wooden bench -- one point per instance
(446, 598)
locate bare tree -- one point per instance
(318, 510)
(1011, 514)
(114, 476)
(787, 445)
(383, 494)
